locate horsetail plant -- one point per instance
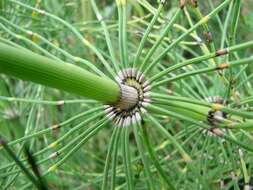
(131, 95)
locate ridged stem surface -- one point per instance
(27, 65)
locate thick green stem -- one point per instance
(27, 65)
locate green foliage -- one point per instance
(195, 133)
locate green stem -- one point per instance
(145, 35)
(106, 34)
(156, 161)
(19, 163)
(114, 159)
(180, 38)
(199, 59)
(159, 41)
(170, 137)
(72, 29)
(108, 159)
(27, 65)
(144, 157)
(201, 71)
(127, 159)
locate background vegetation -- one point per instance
(177, 145)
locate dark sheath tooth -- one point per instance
(128, 73)
(134, 73)
(138, 74)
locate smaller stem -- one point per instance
(145, 36)
(139, 140)
(181, 37)
(159, 41)
(155, 160)
(108, 158)
(202, 58)
(114, 159)
(205, 70)
(127, 158)
(19, 163)
(163, 131)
